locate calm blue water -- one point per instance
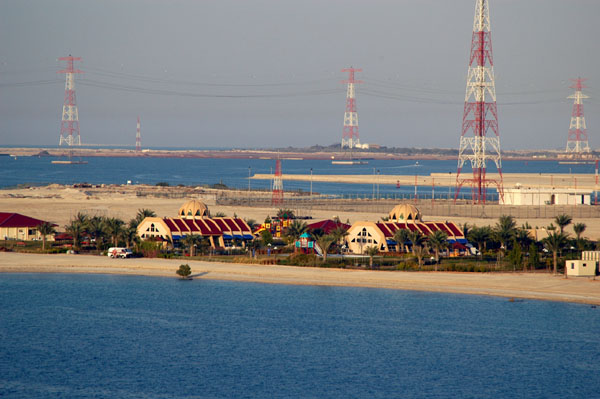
(82, 336)
(234, 172)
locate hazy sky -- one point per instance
(203, 73)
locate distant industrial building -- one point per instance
(545, 196)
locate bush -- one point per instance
(150, 249)
(300, 259)
(184, 271)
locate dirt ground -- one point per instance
(59, 204)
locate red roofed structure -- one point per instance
(327, 226)
(14, 226)
(364, 234)
(193, 219)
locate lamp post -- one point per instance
(311, 183)
(377, 183)
(373, 196)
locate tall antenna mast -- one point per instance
(480, 112)
(69, 127)
(277, 198)
(138, 137)
(350, 132)
(577, 142)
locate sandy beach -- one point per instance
(538, 286)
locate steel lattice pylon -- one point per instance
(69, 127)
(480, 112)
(138, 136)
(350, 137)
(577, 142)
(277, 198)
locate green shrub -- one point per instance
(184, 271)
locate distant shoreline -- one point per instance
(509, 285)
(299, 154)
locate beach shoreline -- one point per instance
(538, 286)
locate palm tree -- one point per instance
(131, 236)
(480, 236)
(371, 251)
(82, 218)
(420, 251)
(191, 241)
(285, 214)
(400, 236)
(76, 230)
(45, 229)
(555, 242)
(339, 233)
(466, 228)
(250, 223)
(295, 230)
(114, 228)
(142, 214)
(325, 242)
(505, 231)
(523, 238)
(563, 221)
(417, 239)
(579, 228)
(96, 226)
(438, 241)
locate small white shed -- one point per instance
(583, 268)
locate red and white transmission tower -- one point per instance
(277, 198)
(480, 112)
(577, 142)
(69, 127)
(138, 137)
(350, 133)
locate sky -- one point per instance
(267, 73)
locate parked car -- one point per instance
(119, 252)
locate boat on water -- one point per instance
(349, 162)
(71, 162)
(576, 162)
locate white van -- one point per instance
(119, 252)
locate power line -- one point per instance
(137, 89)
(141, 78)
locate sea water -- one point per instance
(235, 172)
(101, 336)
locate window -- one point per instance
(152, 227)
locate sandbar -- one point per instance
(539, 286)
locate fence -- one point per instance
(440, 208)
